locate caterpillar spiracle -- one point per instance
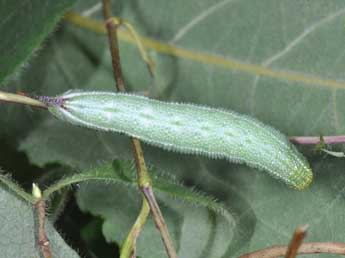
(187, 128)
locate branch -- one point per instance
(114, 46)
(306, 248)
(25, 100)
(146, 58)
(312, 140)
(296, 241)
(42, 239)
(144, 180)
(20, 99)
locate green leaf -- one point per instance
(294, 105)
(65, 61)
(119, 182)
(183, 209)
(123, 172)
(321, 206)
(11, 185)
(18, 230)
(296, 83)
(24, 26)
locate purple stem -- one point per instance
(316, 139)
(50, 101)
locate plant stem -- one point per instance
(144, 180)
(128, 248)
(311, 140)
(115, 54)
(20, 99)
(42, 239)
(141, 48)
(24, 100)
(159, 221)
(7, 181)
(305, 248)
(296, 241)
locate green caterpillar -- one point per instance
(187, 128)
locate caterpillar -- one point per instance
(187, 128)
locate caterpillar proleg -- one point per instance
(187, 128)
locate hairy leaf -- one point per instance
(123, 172)
(15, 188)
(281, 61)
(24, 26)
(18, 230)
(196, 221)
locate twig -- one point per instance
(25, 100)
(42, 239)
(128, 248)
(311, 140)
(146, 58)
(20, 99)
(296, 241)
(144, 180)
(115, 54)
(305, 248)
(159, 220)
(146, 187)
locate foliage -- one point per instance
(18, 230)
(280, 61)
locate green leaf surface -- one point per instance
(123, 172)
(196, 221)
(321, 207)
(23, 27)
(280, 61)
(18, 230)
(15, 188)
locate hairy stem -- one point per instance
(42, 239)
(6, 180)
(144, 180)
